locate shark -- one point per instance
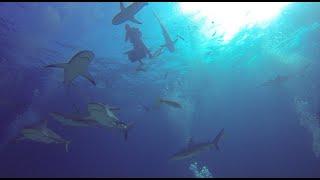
(77, 66)
(169, 43)
(280, 79)
(73, 120)
(128, 13)
(99, 115)
(104, 115)
(170, 103)
(276, 81)
(194, 149)
(42, 134)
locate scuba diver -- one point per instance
(139, 50)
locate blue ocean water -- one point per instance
(270, 129)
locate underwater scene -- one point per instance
(159, 89)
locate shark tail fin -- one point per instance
(67, 145)
(61, 65)
(216, 140)
(129, 126)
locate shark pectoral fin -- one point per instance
(133, 19)
(121, 6)
(62, 65)
(88, 76)
(216, 140)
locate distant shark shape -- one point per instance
(104, 116)
(194, 149)
(99, 115)
(279, 80)
(77, 66)
(170, 103)
(42, 134)
(169, 43)
(73, 120)
(128, 13)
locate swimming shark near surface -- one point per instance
(194, 149)
(128, 13)
(279, 80)
(169, 43)
(43, 134)
(77, 66)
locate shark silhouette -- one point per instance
(42, 134)
(194, 149)
(77, 66)
(99, 115)
(128, 13)
(169, 43)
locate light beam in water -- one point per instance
(228, 18)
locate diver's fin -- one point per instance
(121, 6)
(88, 76)
(62, 65)
(217, 139)
(134, 20)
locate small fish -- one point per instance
(214, 33)
(146, 108)
(170, 103)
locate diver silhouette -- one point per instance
(139, 50)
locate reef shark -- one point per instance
(128, 13)
(170, 103)
(194, 149)
(276, 81)
(42, 134)
(77, 66)
(169, 43)
(280, 79)
(100, 115)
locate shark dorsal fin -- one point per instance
(121, 6)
